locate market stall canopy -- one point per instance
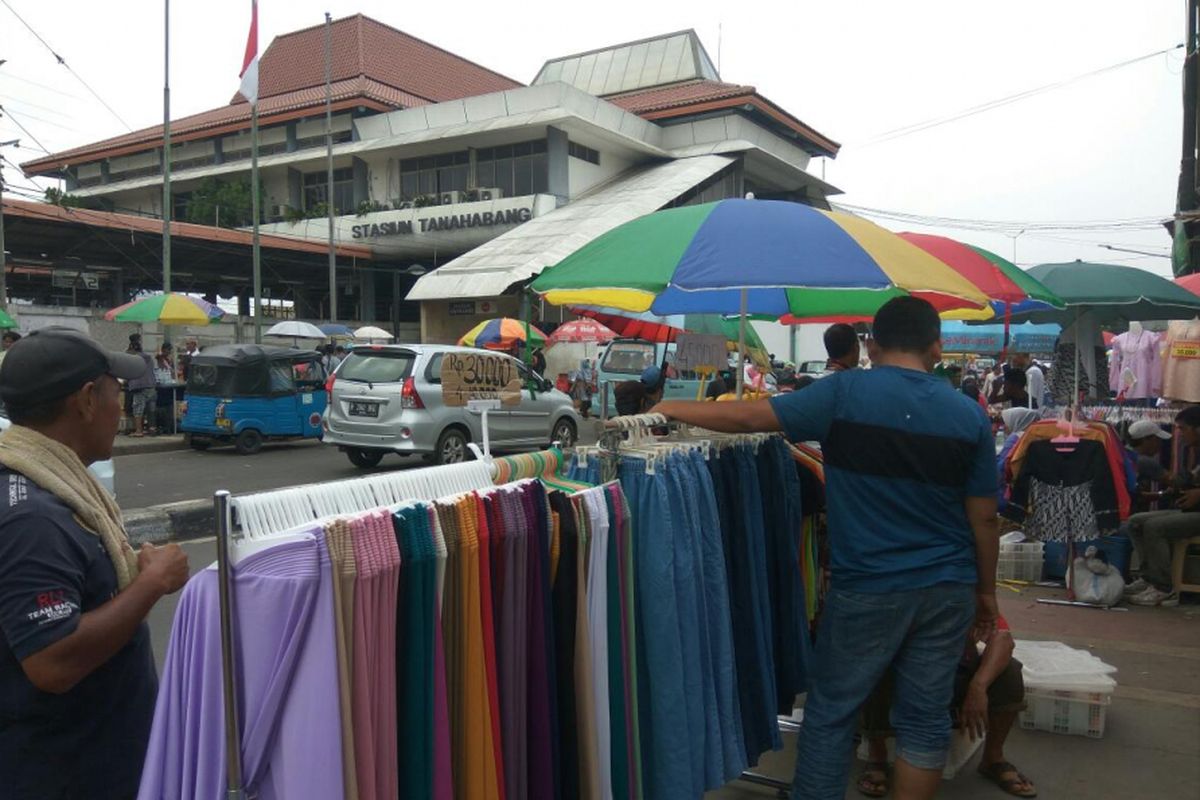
(783, 257)
(581, 330)
(501, 334)
(167, 309)
(294, 329)
(1111, 292)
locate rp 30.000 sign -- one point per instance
(479, 376)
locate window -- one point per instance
(282, 380)
(628, 358)
(315, 184)
(433, 175)
(179, 205)
(518, 169)
(576, 150)
(381, 366)
(319, 141)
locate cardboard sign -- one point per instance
(1183, 348)
(701, 352)
(479, 376)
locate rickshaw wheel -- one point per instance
(248, 442)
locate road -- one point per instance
(155, 478)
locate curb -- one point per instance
(170, 522)
(163, 444)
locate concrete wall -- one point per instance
(136, 161)
(438, 326)
(584, 175)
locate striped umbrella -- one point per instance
(167, 309)
(587, 331)
(501, 334)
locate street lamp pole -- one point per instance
(3, 258)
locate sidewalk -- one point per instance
(131, 446)
(1151, 744)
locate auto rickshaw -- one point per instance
(246, 394)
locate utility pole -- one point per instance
(3, 259)
(333, 314)
(1187, 197)
(166, 165)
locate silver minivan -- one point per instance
(388, 399)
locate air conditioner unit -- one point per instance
(491, 194)
(278, 211)
(472, 195)
(403, 205)
(452, 198)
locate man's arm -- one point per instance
(102, 633)
(748, 416)
(981, 513)
(997, 654)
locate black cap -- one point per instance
(54, 362)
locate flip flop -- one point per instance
(995, 773)
(873, 788)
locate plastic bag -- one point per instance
(1096, 581)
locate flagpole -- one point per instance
(166, 157)
(333, 314)
(257, 255)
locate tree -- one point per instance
(227, 203)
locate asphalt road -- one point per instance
(155, 478)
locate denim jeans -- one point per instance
(1154, 534)
(919, 634)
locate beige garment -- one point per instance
(345, 574)
(1181, 361)
(57, 469)
(585, 697)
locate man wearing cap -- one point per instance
(77, 678)
(142, 388)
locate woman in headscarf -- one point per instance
(1016, 420)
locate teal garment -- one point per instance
(415, 651)
(616, 662)
(629, 595)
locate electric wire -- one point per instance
(24, 130)
(63, 61)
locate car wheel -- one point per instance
(364, 458)
(248, 442)
(564, 433)
(451, 447)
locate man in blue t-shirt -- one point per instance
(911, 494)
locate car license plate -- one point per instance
(364, 409)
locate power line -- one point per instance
(934, 122)
(42, 86)
(24, 130)
(1007, 226)
(63, 61)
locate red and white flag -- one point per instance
(249, 73)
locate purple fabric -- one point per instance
(287, 671)
(512, 650)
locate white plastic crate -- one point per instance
(1071, 713)
(1020, 561)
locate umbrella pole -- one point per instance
(1076, 365)
(741, 373)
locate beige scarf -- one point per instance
(57, 469)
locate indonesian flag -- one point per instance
(249, 73)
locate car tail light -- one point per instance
(329, 389)
(408, 395)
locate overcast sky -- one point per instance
(1105, 148)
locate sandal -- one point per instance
(995, 773)
(870, 785)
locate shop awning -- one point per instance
(522, 253)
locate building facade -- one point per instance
(442, 163)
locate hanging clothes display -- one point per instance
(1181, 361)
(1136, 369)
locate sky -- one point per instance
(1101, 149)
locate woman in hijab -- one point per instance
(1016, 420)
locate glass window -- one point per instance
(377, 366)
(282, 381)
(485, 174)
(628, 358)
(315, 186)
(539, 163)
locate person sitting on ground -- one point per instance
(842, 347)
(989, 692)
(1154, 533)
(638, 397)
(1145, 447)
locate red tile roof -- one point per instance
(374, 65)
(183, 230)
(698, 96)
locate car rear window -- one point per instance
(628, 358)
(377, 366)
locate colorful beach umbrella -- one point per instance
(501, 334)
(778, 257)
(167, 309)
(586, 331)
(664, 329)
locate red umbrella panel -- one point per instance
(587, 331)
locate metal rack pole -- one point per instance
(784, 788)
(233, 744)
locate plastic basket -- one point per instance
(1020, 562)
(1070, 713)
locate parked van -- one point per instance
(625, 359)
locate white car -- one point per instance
(104, 471)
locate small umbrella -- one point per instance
(581, 330)
(336, 329)
(501, 334)
(294, 329)
(167, 309)
(371, 332)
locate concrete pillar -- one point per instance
(558, 165)
(295, 188)
(367, 297)
(243, 303)
(218, 152)
(293, 143)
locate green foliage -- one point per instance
(370, 207)
(227, 202)
(424, 201)
(60, 198)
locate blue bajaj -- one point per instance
(245, 394)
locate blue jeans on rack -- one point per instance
(919, 635)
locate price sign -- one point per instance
(701, 352)
(479, 376)
(1183, 348)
